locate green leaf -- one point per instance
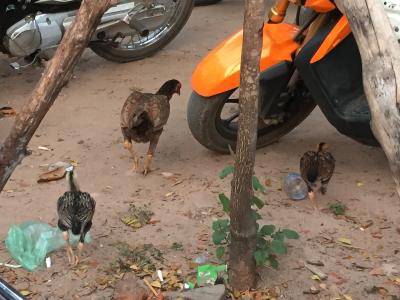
(267, 230)
(221, 225)
(227, 171)
(257, 186)
(220, 252)
(278, 247)
(218, 237)
(279, 235)
(273, 262)
(255, 215)
(226, 203)
(258, 202)
(261, 257)
(290, 234)
(261, 243)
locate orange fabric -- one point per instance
(219, 71)
(320, 6)
(339, 33)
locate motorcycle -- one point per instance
(128, 31)
(313, 61)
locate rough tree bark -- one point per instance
(242, 266)
(379, 51)
(54, 78)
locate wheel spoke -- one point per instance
(231, 118)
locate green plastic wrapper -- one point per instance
(29, 243)
(208, 274)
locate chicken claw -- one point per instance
(147, 164)
(128, 146)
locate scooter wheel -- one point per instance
(211, 127)
(205, 2)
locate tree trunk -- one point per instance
(379, 51)
(54, 78)
(242, 266)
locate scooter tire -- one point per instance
(202, 114)
(205, 2)
(123, 56)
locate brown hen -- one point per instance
(143, 118)
(317, 167)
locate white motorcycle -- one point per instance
(130, 30)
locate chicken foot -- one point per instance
(128, 146)
(70, 252)
(78, 256)
(311, 195)
(150, 152)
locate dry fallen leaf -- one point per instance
(25, 292)
(156, 284)
(134, 267)
(345, 241)
(131, 222)
(167, 174)
(315, 277)
(44, 148)
(56, 174)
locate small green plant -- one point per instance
(177, 246)
(338, 209)
(270, 240)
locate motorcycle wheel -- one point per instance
(205, 2)
(147, 46)
(217, 132)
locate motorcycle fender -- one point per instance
(219, 71)
(341, 30)
(320, 6)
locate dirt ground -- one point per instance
(83, 125)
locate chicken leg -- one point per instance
(150, 153)
(78, 256)
(70, 252)
(311, 196)
(128, 146)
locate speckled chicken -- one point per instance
(143, 118)
(75, 212)
(317, 167)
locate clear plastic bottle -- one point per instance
(294, 186)
(201, 259)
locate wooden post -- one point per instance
(242, 266)
(54, 78)
(380, 54)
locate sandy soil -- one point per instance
(83, 125)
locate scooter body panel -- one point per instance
(219, 71)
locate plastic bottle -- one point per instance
(294, 186)
(201, 259)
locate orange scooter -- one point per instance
(314, 61)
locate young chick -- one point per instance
(143, 118)
(317, 166)
(75, 212)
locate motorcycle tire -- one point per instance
(111, 53)
(203, 118)
(205, 2)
